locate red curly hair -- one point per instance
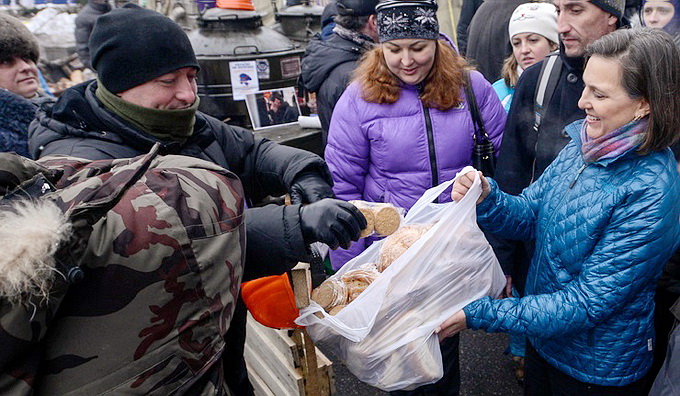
(442, 85)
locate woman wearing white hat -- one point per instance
(533, 35)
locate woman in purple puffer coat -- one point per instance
(404, 126)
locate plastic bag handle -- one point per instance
(432, 194)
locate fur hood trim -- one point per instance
(30, 234)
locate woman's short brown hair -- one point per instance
(650, 65)
(442, 86)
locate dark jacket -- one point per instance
(524, 154)
(84, 25)
(468, 11)
(15, 115)
(327, 67)
(488, 37)
(78, 125)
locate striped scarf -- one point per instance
(614, 143)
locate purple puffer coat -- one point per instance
(394, 152)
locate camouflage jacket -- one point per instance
(162, 272)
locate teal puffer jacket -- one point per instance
(603, 233)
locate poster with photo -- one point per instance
(273, 108)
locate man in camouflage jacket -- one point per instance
(146, 94)
(159, 282)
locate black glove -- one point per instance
(331, 221)
(309, 187)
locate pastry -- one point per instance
(330, 293)
(366, 210)
(357, 281)
(387, 219)
(396, 244)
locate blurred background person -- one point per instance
(19, 53)
(403, 126)
(19, 84)
(467, 12)
(327, 65)
(662, 14)
(533, 35)
(84, 25)
(604, 216)
(487, 40)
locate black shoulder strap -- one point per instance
(480, 130)
(547, 82)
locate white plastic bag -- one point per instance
(386, 336)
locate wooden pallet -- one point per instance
(286, 362)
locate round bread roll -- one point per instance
(366, 210)
(330, 293)
(387, 219)
(396, 244)
(357, 281)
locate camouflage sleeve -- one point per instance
(162, 272)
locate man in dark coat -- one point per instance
(467, 12)
(524, 153)
(146, 94)
(487, 39)
(281, 111)
(327, 65)
(84, 25)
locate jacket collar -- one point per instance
(574, 132)
(79, 108)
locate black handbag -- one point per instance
(483, 155)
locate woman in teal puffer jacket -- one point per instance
(604, 216)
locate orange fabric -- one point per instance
(271, 301)
(246, 5)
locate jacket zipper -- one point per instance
(430, 145)
(552, 215)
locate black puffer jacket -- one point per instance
(327, 67)
(78, 125)
(84, 25)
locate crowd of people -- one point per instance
(579, 99)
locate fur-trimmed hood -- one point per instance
(31, 231)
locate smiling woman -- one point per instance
(19, 53)
(604, 218)
(403, 126)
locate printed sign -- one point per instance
(262, 69)
(244, 79)
(290, 67)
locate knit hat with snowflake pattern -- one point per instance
(407, 20)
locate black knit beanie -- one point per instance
(133, 45)
(16, 40)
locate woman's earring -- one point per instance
(637, 117)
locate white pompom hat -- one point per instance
(540, 18)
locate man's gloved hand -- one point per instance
(331, 221)
(309, 187)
